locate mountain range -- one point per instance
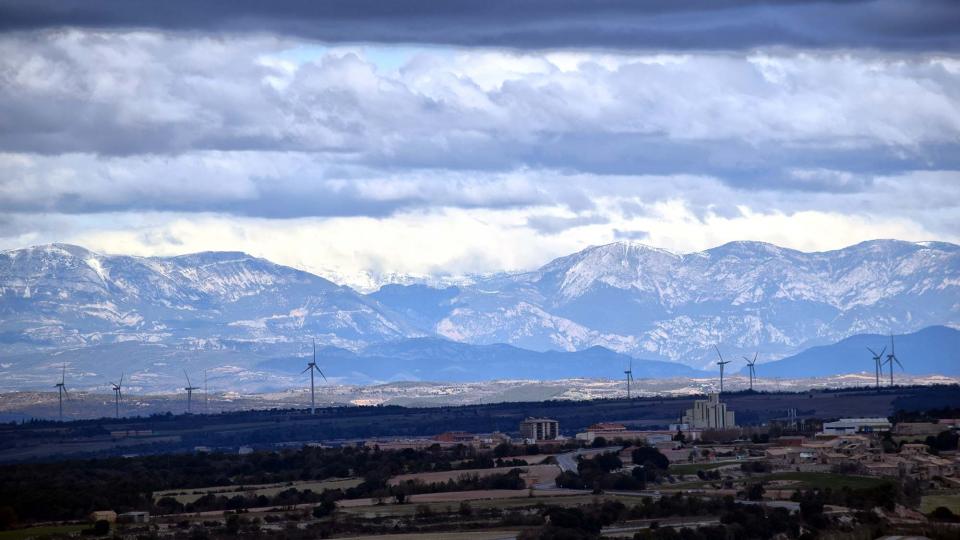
(603, 304)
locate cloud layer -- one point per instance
(371, 160)
(539, 24)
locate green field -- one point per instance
(950, 500)
(39, 532)
(814, 480)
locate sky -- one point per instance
(366, 140)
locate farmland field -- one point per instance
(551, 497)
(35, 532)
(470, 535)
(828, 480)
(533, 474)
(189, 495)
(949, 500)
(692, 468)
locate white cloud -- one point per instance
(345, 159)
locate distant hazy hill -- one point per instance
(933, 350)
(442, 360)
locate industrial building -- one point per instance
(539, 429)
(612, 432)
(850, 426)
(709, 413)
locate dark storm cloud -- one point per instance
(621, 24)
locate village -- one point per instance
(906, 468)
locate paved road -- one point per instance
(691, 522)
(568, 461)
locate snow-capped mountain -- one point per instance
(64, 296)
(744, 296)
(626, 297)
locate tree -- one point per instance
(324, 509)
(502, 450)
(648, 456)
(570, 480)
(101, 527)
(8, 518)
(942, 513)
(233, 524)
(755, 491)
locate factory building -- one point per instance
(539, 429)
(849, 426)
(709, 413)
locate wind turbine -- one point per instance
(878, 362)
(629, 374)
(189, 388)
(117, 394)
(721, 363)
(62, 389)
(891, 358)
(311, 366)
(751, 364)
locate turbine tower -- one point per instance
(750, 365)
(629, 374)
(311, 366)
(117, 394)
(189, 388)
(721, 363)
(891, 358)
(61, 389)
(878, 362)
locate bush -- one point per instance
(324, 509)
(647, 456)
(942, 513)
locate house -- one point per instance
(134, 517)
(918, 429)
(103, 515)
(455, 437)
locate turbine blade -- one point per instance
(121, 379)
(873, 352)
(755, 354)
(321, 374)
(718, 352)
(883, 350)
(188, 378)
(306, 369)
(895, 359)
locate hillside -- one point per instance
(933, 350)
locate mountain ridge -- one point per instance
(629, 297)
